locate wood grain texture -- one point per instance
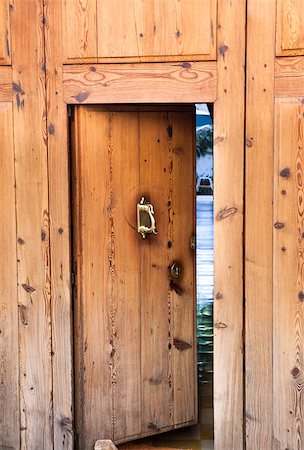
(289, 77)
(106, 309)
(96, 275)
(58, 184)
(184, 368)
(5, 34)
(140, 83)
(157, 309)
(6, 86)
(156, 30)
(9, 354)
(29, 117)
(288, 284)
(290, 28)
(228, 228)
(259, 223)
(125, 281)
(138, 381)
(79, 30)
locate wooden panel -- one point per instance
(157, 308)
(9, 355)
(58, 169)
(5, 39)
(259, 223)
(289, 77)
(110, 409)
(290, 27)
(140, 83)
(288, 282)
(80, 30)
(168, 349)
(94, 301)
(6, 78)
(156, 30)
(148, 369)
(184, 369)
(35, 338)
(123, 164)
(228, 228)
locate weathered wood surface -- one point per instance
(290, 28)
(79, 29)
(133, 30)
(33, 259)
(9, 352)
(140, 83)
(94, 314)
(288, 281)
(5, 34)
(259, 223)
(157, 30)
(184, 368)
(141, 379)
(228, 227)
(157, 309)
(289, 77)
(104, 444)
(6, 86)
(59, 207)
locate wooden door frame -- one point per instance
(221, 82)
(78, 91)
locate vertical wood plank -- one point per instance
(156, 29)
(9, 354)
(288, 282)
(5, 38)
(228, 227)
(108, 389)
(157, 306)
(126, 376)
(93, 304)
(58, 169)
(182, 214)
(35, 337)
(80, 29)
(259, 222)
(292, 23)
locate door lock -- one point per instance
(176, 270)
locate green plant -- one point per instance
(204, 140)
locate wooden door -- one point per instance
(135, 345)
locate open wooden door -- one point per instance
(135, 322)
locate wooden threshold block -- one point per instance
(104, 444)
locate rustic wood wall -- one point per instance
(59, 52)
(274, 225)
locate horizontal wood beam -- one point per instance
(289, 77)
(140, 83)
(6, 77)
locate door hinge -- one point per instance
(73, 278)
(70, 111)
(193, 242)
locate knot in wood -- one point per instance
(279, 225)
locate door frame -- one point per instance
(226, 77)
(228, 210)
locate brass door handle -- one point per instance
(145, 218)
